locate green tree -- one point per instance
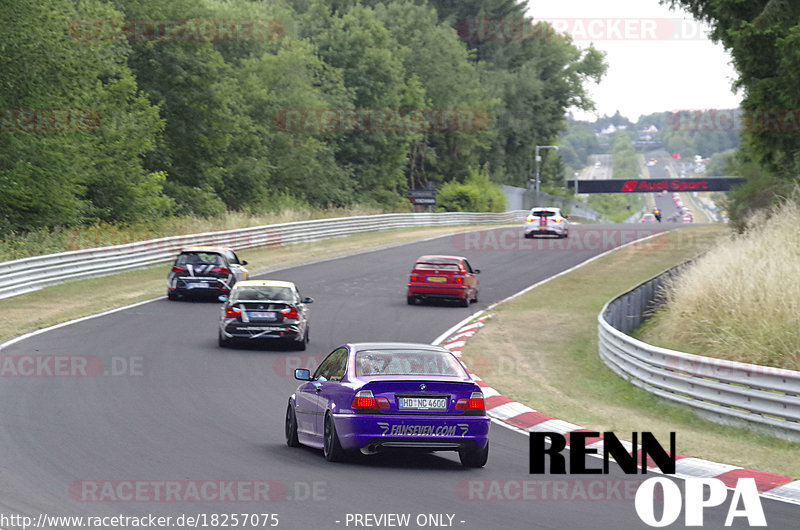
(763, 37)
(371, 61)
(271, 161)
(55, 173)
(441, 64)
(536, 73)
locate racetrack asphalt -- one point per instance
(185, 413)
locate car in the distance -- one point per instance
(648, 218)
(205, 271)
(442, 277)
(373, 397)
(546, 221)
(264, 310)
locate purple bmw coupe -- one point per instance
(374, 396)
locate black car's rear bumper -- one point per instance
(247, 331)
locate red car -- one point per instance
(443, 278)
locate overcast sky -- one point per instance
(657, 59)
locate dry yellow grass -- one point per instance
(741, 301)
(541, 349)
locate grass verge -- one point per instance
(71, 300)
(540, 349)
(740, 301)
(62, 239)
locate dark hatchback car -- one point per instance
(264, 311)
(205, 271)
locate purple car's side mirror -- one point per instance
(302, 374)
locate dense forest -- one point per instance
(123, 110)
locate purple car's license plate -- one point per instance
(421, 403)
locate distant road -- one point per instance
(597, 172)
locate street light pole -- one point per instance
(538, 159)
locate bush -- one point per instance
(476, 194)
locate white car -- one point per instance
(648, 218)
(546, 221)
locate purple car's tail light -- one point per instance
(365, 400)
(473, 404)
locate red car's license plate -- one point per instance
(437, 279)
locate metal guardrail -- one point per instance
(570, 206)
(728, 392)
(30, 274)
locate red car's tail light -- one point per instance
(459, 279)
(475, 402)
(290, 313)
(232, 312)
(178, 268)
(414, 278)
(220, 270)
(365, 400)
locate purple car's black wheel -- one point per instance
(476, 458)
(291, 427)
(332, 448)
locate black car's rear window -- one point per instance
(262, 292)
(199, 258)
(407, 362)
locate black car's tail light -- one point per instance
(232, 312)
(290, 313)
(220, 270)
(178, 268)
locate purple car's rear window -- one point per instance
(407, 362)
